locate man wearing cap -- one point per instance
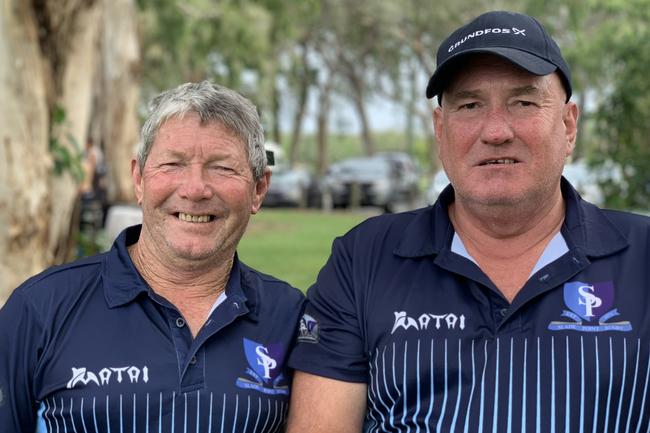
(509, 305)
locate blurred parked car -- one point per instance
(407, 172)
(369, 181)
(438, 182)
(292, 187)
(585, 180)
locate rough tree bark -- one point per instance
(120, 94)
(49, 55)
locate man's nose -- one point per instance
(196, 185)
(497, 127)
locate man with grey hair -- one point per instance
(168, 331)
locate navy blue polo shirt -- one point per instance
(442, 350)
(89, 347)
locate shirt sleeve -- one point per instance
(17, 359)
(330, 339)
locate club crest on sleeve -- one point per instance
(590, 307)
(309, 330)
(264, 371)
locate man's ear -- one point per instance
(261, 188)
(136, 175)
(570, 118)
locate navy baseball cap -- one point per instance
(518, 38)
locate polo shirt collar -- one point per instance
(585, 228)
(123, 284)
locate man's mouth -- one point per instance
(190, 218)
(498, 161)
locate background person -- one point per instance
(509, 305)
(168, 331)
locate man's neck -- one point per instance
(507, 244)
(191, 287)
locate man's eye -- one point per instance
(524, 103)
(469, 106)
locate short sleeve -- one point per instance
(17, 359)
(330, 339)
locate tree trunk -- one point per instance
(120, 76)
(25, 203)
(324, 104)
(358, 98)
(303, 95)
(49, 57)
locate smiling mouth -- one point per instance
(194, 218)
(498, 162)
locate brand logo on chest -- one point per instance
(426, 321)
(108, 375)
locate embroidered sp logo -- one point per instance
(590, 303)
(264, 368)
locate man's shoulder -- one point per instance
(62, 280)
(388, 223)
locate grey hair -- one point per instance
(213, 103)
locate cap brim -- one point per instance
(523, 59)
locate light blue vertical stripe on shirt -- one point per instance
(184, 412)
(444, 394)
(81, 411)
(417, 405)
(404, 394)
(74, 427)
(582, 385)
(95, 416)
(645, 391)
(198, 410)
(375, 391)
(432, 395)
(392, 406)
(268, 415)
(567, 379)
(611, 384)
(147, 415)
(210, 415)
(620, 397)
(234, 421)
(524, 402)
(482, 407)
(259, 413)
(471, 392)
(633, 396)
(510, 389)
(553, 395)
(459, 387)
(248, 413)
(108, 417)
(160, 414)
(40, 419)
(121, 416)
(65, 424)
(223, 413)
(397, 390)
(597, 396)
(173, 410)
(538, 408)
(495, 411)
(56, 421)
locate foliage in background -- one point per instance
(66, 155)
(284, 54)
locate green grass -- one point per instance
(293, 245)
